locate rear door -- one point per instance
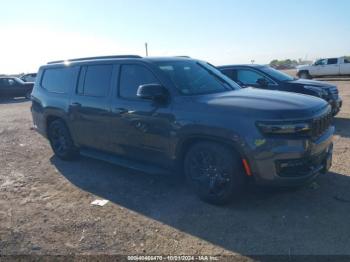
(345, 66)
(332, 67)
(90, 106)
(140, 128)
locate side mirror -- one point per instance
(262, 82)
(154, 92)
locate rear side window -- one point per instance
(59, 80)
(131, 77)
(95, 80)
(332, 61)
(347, 60)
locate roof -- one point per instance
(119, 57)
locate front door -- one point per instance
(248, 77)
(140, 129)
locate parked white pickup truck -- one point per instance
(326, 67)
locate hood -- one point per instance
(266, 104)
(315, 83)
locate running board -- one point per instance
(113, 159)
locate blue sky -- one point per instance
(222, 31)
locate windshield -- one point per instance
(194, 78)
(277, 74)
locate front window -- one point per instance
(249, 77)
(131, 77)
(280, 76)
(194, 78)
(321, 62)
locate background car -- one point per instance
(326, 67)
(29, 77)
(15, 87)
(266, 77)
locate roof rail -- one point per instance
(94, 58)
(184, 56)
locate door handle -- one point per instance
(75, 104)
(121, 110)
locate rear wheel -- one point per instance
(214, 172)
(61, 140)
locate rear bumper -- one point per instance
(292, 162)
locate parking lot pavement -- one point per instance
(45, 204)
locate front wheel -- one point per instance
(61, 140)
(214, 172)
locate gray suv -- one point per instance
(177, 114)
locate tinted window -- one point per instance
(332, 61)
(5, 82)
(229, 72)
(97, 80)
(193, 77)
(132, 76)
(347, 60)
(59, 80)
(248, 77)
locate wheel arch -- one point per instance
(185, 144)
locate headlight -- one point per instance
(318, 90)
(272, 128)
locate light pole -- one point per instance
(146, 46)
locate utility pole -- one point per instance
(146, 46)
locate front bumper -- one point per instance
(282, 162)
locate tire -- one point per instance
(61, 141)
(304, 75)
(214, 172)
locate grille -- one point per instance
(321, 124)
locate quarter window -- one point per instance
(59, 80)
(131, 77)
